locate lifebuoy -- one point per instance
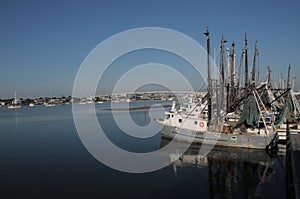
(201, 124)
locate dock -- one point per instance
(293, 165)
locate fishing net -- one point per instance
(287, 109)
(250, 114)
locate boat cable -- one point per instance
(260, 112)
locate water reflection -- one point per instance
(232, 172)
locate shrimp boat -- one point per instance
(196, 128)
(235, 120)
(286, 107)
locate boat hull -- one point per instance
(14, 106)
(243, 140)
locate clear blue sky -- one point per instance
(42, 43)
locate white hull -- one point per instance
(49, 105)
(243, 140)
(14, 106)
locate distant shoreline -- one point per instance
(135, 107)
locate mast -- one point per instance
(254, 63)
(239, 73)
(246, 62)
(258, 74)
(228, 67)
(293, 83)
(223, 41)
(281, 81)
(208, 73)
(232, 69)
(222, 71)
(269, 84)
(228, 80)
(231, 74)
(288, 78)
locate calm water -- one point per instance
(42, 157)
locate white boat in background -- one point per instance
(13, 106)
(49, 104)
(15, 103)
(82, 100)
(90, 100)
(31, 104)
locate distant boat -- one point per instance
(49, 104)
(15, 103)
(89, 100)
(82, 101)
(31, 104)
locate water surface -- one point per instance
(41, 156)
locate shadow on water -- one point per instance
(232, 172)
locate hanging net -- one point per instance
(286, 110)
(250, 114)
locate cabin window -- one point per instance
(179, 120)
(172, 116)
(168, 116)
(195, 122)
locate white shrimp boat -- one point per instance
(184, 127)
(245, 122)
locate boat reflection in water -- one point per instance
(232, 172)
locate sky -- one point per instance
(43, 43)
